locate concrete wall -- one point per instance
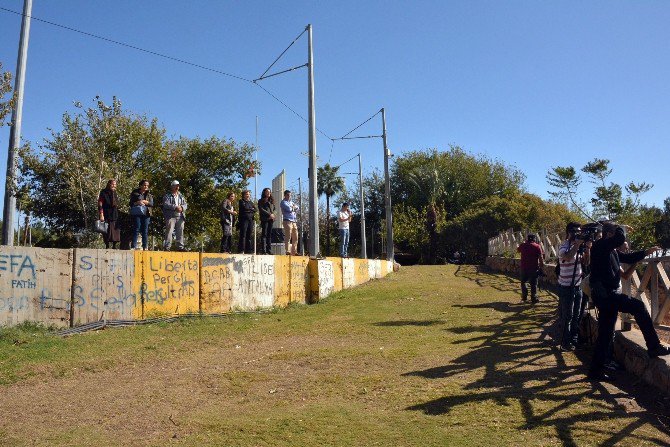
(167, 283)
(103, 286)
(74, 287)
(35, 285)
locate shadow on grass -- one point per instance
(399, 323)
(518, 364)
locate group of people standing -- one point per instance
(589, 265)
(244, 216)
(174, 206)
(240, 214)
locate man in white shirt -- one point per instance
(343, 219)
(570, 259)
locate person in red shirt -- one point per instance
(532, 260)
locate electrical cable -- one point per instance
(134, 47)
(193, 64)
(359, 126)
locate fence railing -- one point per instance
(652, 287)
(650, 282)
(506, 243)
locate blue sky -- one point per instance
(536, 84)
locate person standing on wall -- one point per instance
(289, 220)
(141, 202)
(266, 209)
(174, 208)
(343, 219)
(108, 208)
(532, 260)
(228, 214)
(247, 211)
(605, 280)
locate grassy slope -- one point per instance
(429, 356)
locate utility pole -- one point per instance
(15, 130)
(387, 191)
(255, 181)
(300, 239)
(364, 252)
(313, 197)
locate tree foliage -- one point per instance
(67, 171)
(329, 183)
(452, 179)
(6, 104)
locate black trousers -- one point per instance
(530, 277)
(266, 237)
(245, 245)
(609, 304)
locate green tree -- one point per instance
(662, 227)
(329, 183)
(607, 201)
(6, 105)
(452, 179)
(66, 174)
(470, 230)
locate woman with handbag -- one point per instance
(141, 202)
(108, 207)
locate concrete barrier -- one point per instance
(282, 280)
(361, 271)
(322, 279)
(374, 268)
(348, 273)
(103, 286)
(35, 285)
(300, 279)
(167, 283)
(74, 287)
(337, 273)
(216, 283)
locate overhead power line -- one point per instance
(179, 60)
(134, 47)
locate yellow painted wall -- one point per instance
(300, 279)
(337, 273)
(168, 283)
(361, 271)
(282, 270)
(216, 283)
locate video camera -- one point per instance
(588, 231)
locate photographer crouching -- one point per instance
(571, 254)
(605, 281)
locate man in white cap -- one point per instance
(174, 207)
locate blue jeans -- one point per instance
(141, 223)
(570, 303)
(344, 243)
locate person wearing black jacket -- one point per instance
(246, 211)
(605, 281)
(142, 199)
(266, 210)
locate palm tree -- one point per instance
(329, 183)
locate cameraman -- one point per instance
(572, 252)
(532, 261)
(605, 280)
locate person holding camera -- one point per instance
(605, 280)
(571, 253)
(532, 262)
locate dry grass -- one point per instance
(429, 356)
